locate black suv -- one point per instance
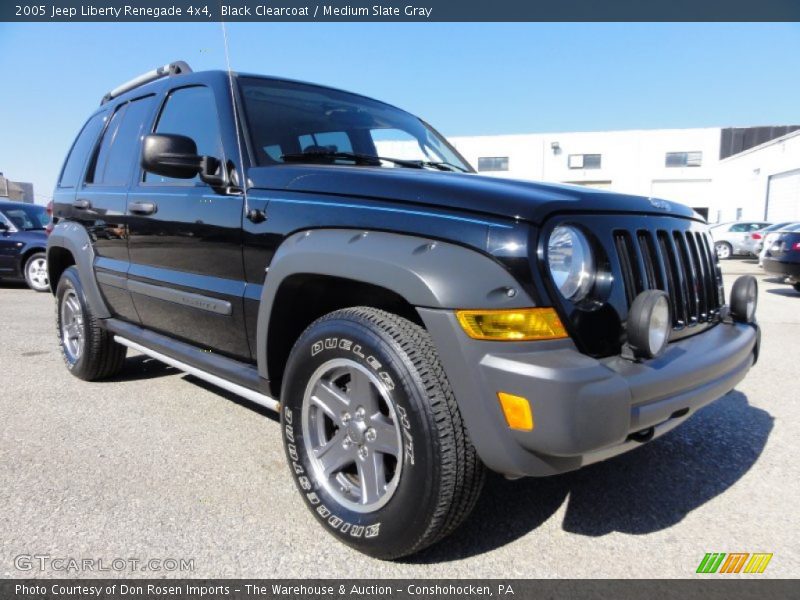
(332, 257)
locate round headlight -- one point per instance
(571, 263)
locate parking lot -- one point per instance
(159, 465)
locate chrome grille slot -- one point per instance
(680, 262)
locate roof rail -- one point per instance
(178, 67)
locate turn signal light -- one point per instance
(517, 411)
(515, 325)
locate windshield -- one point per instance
(296, 122)
(26, 217)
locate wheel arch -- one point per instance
(69, 244)
(317, 271)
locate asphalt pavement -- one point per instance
(157, 465)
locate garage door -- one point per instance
(783, 197)
(692, 192)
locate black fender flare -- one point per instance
(425, 272)
(76, 240)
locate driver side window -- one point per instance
(192, 112)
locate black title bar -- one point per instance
(401, 10)
(711, 588)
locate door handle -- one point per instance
(82, 204)
(142, 208)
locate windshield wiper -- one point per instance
(330, 155)
(368, 159)
(442, 165)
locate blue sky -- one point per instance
(465, 79)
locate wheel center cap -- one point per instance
(356, 431)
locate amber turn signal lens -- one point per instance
(516, 325)
(517, 411)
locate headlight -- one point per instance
(571, 263)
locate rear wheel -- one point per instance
(88, 350)
(36, 272)
(374, 436)
(724, 250)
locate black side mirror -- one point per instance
(173, 155)
(3, 226)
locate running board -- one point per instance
(252, 395)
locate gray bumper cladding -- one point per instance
(584, 409)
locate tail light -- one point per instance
(756, 236)
(48, 229)
(796, 246)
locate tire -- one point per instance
(89, 351)
(724, 250)
(796, 286)
(410, 440)
(35, 270)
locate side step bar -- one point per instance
(252, 395)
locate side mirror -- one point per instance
(3, 226)
(173, 155)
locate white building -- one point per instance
(724, 174)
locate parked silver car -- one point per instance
(729, 238)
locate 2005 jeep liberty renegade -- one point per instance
(334, 258)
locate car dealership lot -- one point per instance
(159, 465)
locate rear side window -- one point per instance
(73, 168)
(191, 112)
(119, 148)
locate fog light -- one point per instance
(515, 325)
(517, 411)
(649, 324)
(744, 299)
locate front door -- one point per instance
(186, 275)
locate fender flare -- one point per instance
(425, 272)
(75, 239)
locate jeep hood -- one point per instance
(513, 199)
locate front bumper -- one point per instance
(584, 409)
(782, 267)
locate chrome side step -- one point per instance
(253, 396)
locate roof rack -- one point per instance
(178, 67)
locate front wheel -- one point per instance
(796, 286)
(724, 250)
(374, 436)
(36, 272)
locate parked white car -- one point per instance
(729, 238)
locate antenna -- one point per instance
(236, 120)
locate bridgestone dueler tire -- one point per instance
(101, 357)
(441, 476)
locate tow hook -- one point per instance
(645, 435)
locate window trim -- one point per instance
(506, 158)
(583, 166)
(686, 164)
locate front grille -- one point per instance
(680, 262)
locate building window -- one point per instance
(684, 159)
(493, 163)
(584, 161)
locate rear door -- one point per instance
(101, 200)
(186, 275)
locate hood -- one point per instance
(509, 198)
